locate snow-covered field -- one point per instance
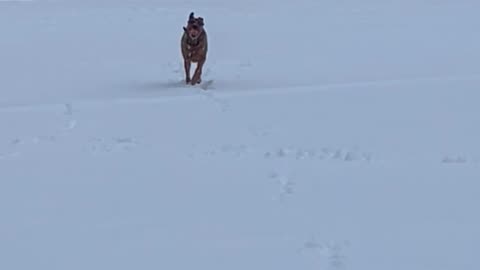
(331, 135)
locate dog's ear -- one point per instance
(184, 29)
(191, 17)
(201, 21)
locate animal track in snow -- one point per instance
(236, 151)
(289, 153)
(330, 254)
(101, 145)
(71, 123)
(459, 159)
(285, 183)
(323, 154)
(14, 147)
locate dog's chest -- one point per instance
(190, 51)
(194, 51)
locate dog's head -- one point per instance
(194, 26)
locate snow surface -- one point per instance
(331, 135)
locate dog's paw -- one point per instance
(195, 81)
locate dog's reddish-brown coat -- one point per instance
(194, 50)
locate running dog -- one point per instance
(194, 46)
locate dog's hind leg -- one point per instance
(187, 65)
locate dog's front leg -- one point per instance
(197, 76)
(187, 65)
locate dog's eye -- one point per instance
(195, 27)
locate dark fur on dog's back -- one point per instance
(194, 45)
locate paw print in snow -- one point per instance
(70, 122)
(285, 183)
(323, 154)
(454, 160)
(331, 254)
(100, 145)
(226, 149)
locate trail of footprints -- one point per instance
(13, 149)
(318, 154)
(291, 153)
(285, 185)
(460, 159)
(329, 255)
(96, 145)
(101, 145)
(301, 153)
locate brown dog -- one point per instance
(194, 48)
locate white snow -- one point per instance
(328, 135)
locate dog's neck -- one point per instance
(195, 42)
